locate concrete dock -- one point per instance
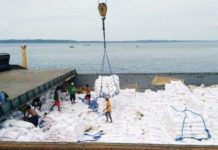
(23, 85)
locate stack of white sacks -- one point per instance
(12, 129)
(138, 117)
(110, 85)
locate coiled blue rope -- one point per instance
(183, 125)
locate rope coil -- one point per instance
(95, 137)
(183, 125)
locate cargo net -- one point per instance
(107, 86)
(193, 126)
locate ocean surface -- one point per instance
(124, 57)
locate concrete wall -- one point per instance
(142, 81)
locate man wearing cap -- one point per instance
(72, 91)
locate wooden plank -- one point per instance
(98, 146)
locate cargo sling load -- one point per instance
(106, 86)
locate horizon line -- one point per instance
(74, 41)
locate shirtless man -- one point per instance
(34, 116)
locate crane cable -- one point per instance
(102, 8)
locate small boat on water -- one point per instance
(71, 46)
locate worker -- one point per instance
(36, 103)
(34, 116)
(56, 99)
(88, 93)
(3, 97)
(72, 91)
(108, 110)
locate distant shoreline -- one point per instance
(74, 41)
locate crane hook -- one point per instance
(102, 8)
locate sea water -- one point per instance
(124, 57)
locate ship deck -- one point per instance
(23, 85)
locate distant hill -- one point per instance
(37, 41)
(74, 41)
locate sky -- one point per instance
(126, 19)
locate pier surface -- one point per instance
(23, 85)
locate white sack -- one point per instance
(110, 85)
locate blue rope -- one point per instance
(102, 72)
(102, 63)
(183, 125)
(84, 101)
(95, 137)
(93, 105)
